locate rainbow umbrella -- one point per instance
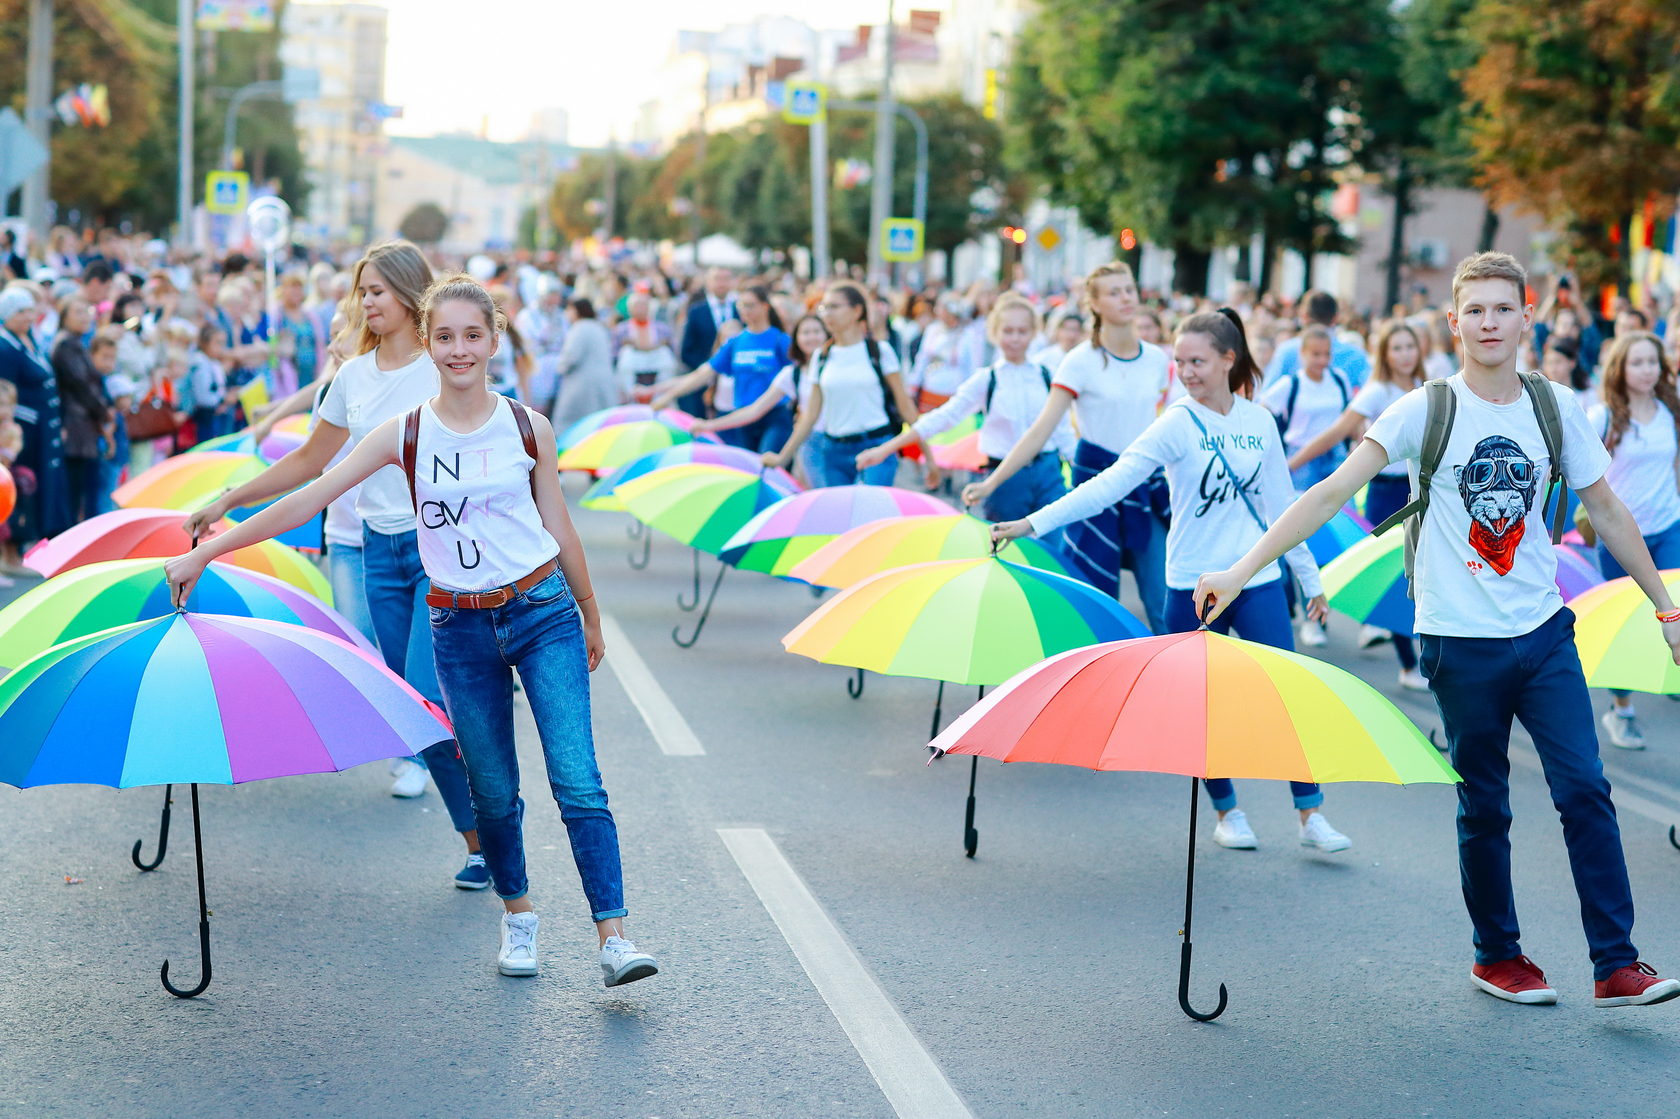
(1337, 535)
(878, 546)
(1576, 574)
(621, 414)
(792, 529)
(701, 506)
(612, 447)
(964, 454)
(188, 481)
(199, 698)
(120, 592)
(156, 533)
(1368, 581)
(602, 498)
(1620, 639)
(1201, 705)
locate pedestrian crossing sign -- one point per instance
(901, 240)
(804, 103)
(226, 192)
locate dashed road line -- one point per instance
(905, 1071)
(670, 730)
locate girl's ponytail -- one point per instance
(1225, 328)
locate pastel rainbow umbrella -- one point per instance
(964, 432)
(964, 454)
(275, 447)
(188, 481)
(203, 699)
(791, 530)
(878, 546)
(296, 424)
(1200, 705)
(702, 506)
(156, 533)
(120, 592)
(1368, 581)
(603, 451)
(621, 414)
(601, 497)
(1620, 640)
(1337, 535)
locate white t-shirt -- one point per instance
(1371, 401)
(1642, 468)
(343, 528)
(362, 397)
(478, 525)
(1114, 399)
(1212, 527)
(853, 400)
(1016, 402)
(782, 382)
(1318, 404)
(1485, 564)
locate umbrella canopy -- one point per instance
(964, 454)
(1620, 639)
(602, 496)
(878, 546)
(1201, 705)
(621, 414)
(203, 698)
(970, 621)
(102, 595)
(792, 529)
(614, 446)
(700, 505)
(142, 533)
(188, 481)
(1337, 535)
(1368, 581)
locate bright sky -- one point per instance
(451, 65)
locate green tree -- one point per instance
(1198, 125)
(1578, 117)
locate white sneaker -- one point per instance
(519, 944)
(1317, 832)
(1412, 680)
(1623, 729)
(1312, 634)
(410, 779)
(1233, 831)
(1372, 635)
(621, 963)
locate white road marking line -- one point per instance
(1623, 799)
(670, 730)
(905, 1071)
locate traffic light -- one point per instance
(1008, 232)
(1128, 240)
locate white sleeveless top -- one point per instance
(478, 525)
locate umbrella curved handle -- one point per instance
(163, 835)
(1184, 989)
(1672, 838)
(854, 685)
(204, 965)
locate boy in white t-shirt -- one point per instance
(1496, 640)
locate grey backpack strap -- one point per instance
(1441, 408)
(1545, 403)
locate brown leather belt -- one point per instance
(496, 596)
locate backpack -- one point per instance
(411, 445)
(991, 383)
(873, 349)
(1437, 429)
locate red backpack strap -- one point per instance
(411, 451)
(527, 436)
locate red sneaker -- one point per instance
(1515, 980)
(1637, 985)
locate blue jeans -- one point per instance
(396, 598)
(1031, 488)
(540, 633)
(344, 574)
(767, 433)
(836, 461)
(1310, 474)
(1261, 615)
(1480, 685)
(1385, 496)
(1128, 536)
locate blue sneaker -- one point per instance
(475, 875)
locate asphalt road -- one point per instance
(826, 949)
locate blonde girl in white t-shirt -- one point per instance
(508, 589)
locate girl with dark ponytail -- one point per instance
(1225, 471)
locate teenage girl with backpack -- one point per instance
(1010, 394)
(789, 390)
(1225, 473)
(857, 401)
(751, 358)
(509, 589)
(1116, 384)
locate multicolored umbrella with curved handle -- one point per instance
(792, 529)
(878, 546)
(1620, 640)
(1200, 705)
(1337, 535)
(614, 446)
(602, 498)
(200, 698)
(621, 414)
(100, 596)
